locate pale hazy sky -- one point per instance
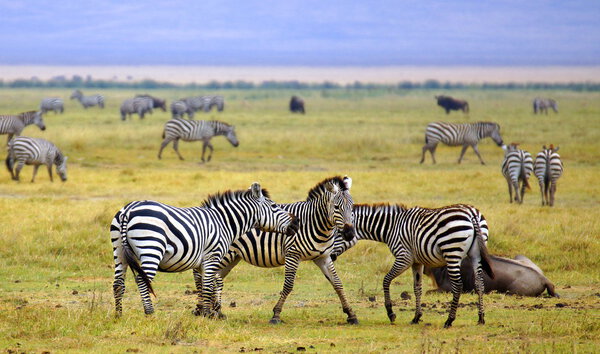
(309, 32)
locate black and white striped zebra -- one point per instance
(156, 102)
(327, 208)
(149, 236)
(215, 101)
(541, 105)
(419, 237)
(52, 104)
(23, 150)
(196, 103)
(88, 101)
(452, 134)
(13, 125)
(517, 166)
(548, 169)
(137, 105)
(179, 108)
(193, 130)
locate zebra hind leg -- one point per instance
(399, 266)
(145, 293)
(35, 170)
(176, 148)
(552, 192)
(328, 269)
(456, 281)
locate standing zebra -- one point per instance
(52, 104)
(179, 108)
(156, 102)
(540, 105)
(14, 125)
(327, 208)
(215, 101)
(33, 151)
(88, 101)
(150, 236)
(467, 134)
(516, 168)
(139, 105)
(548, 169)
(420, 237)
(192, 130)
(196, 103)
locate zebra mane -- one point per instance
(317, 190)
(26, 115)
(220, 197)
(373, 208)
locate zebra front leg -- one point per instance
(20, 165)
(476, 149)
(328, 269)
(198, 282)
(418, 289)
(210, 146)
(35, 170)
(456, 283)
(49, 167)
(291, 266)
(399, 266)
(462, 153)
(204, 145)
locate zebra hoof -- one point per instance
(352, 321)
(275, 321)
(448, 323)
(392, 317)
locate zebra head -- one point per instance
(231, 137)
(494, 131)
(270, 216)
(76, 94)
(341, 207)
(39, 121)
(61, 166)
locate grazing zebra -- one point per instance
(327, 208)
(516, 168)
(179, 108)
(149, 236)
(193, 130)
(156, 102)
(196, 103)
(52, 104)
(14, 125)
(420, 237)
(548, 169)
(540, 105)
(215, 101)
(452, 134)
(139, 105)
(88, 101)
(33, 151)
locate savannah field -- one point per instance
(56, 266)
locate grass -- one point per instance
(56, 263)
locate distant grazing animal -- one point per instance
(139, 105)
(196, 103)
(297, 105)
(420, 237)
(519, 276)
(88, 101)
(548, 169)
(193, 130)
(33, 151)
(541, 105)
(516, 168)
(14, 125)
(179, 108)
(52, 104)
(452, 104)
(156, 102)
(150, 236)
(452, 134)
(215, 101)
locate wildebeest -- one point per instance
(519, 276)
(156, 102)
(297, 105)
(452, 104)
(540, 105)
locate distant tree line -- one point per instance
(79, 82)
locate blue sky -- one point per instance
(313, 33)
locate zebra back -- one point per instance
(548, 165)
(517, 164)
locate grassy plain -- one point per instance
(56, 260)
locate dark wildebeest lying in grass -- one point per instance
(297, 105)
(452, 104)
(519, 276)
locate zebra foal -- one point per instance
(88, 101)
(517, 166)
(14, 125)
(52, 104)
(149, 236)
(452, 134)
(419, 237)
(548, 169)
(24, 150)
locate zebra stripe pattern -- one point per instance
(548, 169)
(179, 108)
(149, 236)
(467, 134)
(193, 130)
(139, 105)
(14, 125)
(516, 168)
(88, 101)
(541, 105)
(327, 208)
(52, 104)
(33, 151)
(420, 237)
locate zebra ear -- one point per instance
(256, 190)
(348, 182)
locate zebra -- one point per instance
(139, 105)
(419, 237)
(516, 168)
(14, 125)
(548, 169)
(149, 236)
(328, 207)
(88, 101)
(197, 103)
(540, 105)
(34, 151)
(179, 108)
(467, 134)
(192, 130)
(52, 104)
(215, 101)
(156, 102)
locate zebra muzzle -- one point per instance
(294, 226)
(348, 232)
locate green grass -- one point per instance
(56, 263)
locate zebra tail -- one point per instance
(130, 257)
(486, 262)
(9, 164)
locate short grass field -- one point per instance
(56, 265)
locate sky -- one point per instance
(300, 33)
